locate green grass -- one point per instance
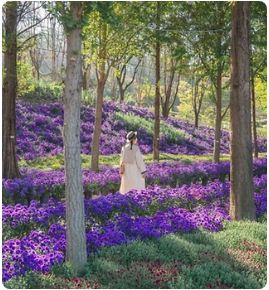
(134, 123)
(232, 258)
(57, 161)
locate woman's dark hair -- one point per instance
(132, 141)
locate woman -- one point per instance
(132, 166)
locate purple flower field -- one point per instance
(41, 184)
(39, 132)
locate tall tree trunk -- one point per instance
(165, 111)
(114, 89)
(196, 121)
(156, 138)
(53, 48)
(97, 126)
(216, 153)
(254, 125)
(121, 90)
(9, 162)
(76, 252)
(100, 98)
(195, 99)
(241, 194)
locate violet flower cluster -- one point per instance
(144, 202)
(37, 184)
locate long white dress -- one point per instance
(134, 167)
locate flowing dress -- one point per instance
(134, 167)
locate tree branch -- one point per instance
(33, 25)
(135, 72)
(225, 112)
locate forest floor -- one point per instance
(232, 258)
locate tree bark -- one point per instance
(196, 100)
(76, 252)
(254, 125)
(156, 137)
(121, 90)
(100, 97)
(241, 193)
(216, 154)
(196, 120)
(9, 161)
(53, 48)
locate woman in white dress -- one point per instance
(132, 166)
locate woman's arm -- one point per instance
(140, 162)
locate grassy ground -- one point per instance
(57, 162)
(232, 258)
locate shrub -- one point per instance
(43, 92)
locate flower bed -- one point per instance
(137, 203)
(40, 185)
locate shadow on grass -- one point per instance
(194, 260)
(232, 258)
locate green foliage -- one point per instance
(215, 274)
(25, 78)
(88, 97)
(236, 232)
(32, 280)
(42, 91)
(64, 270)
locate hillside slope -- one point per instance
(39, 131)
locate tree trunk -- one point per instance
(97, 126)
(165, 111)
(254, 125)
(216, 153)
(9, 162)
(100, 98)
(53, 48)
(156, 138)
(241, 194)
(84, 82)
(121, 90)
(196, 121)
(76, 252)
(195, 98)
(114, 89)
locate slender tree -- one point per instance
(9, 161)
(121, 77)
(171, 80)
(197, 98)
(241, 195)
(254, 124)
(76, 252)
(102, 75)
(156, 137)
(258, 54)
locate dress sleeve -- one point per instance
(140, 162)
